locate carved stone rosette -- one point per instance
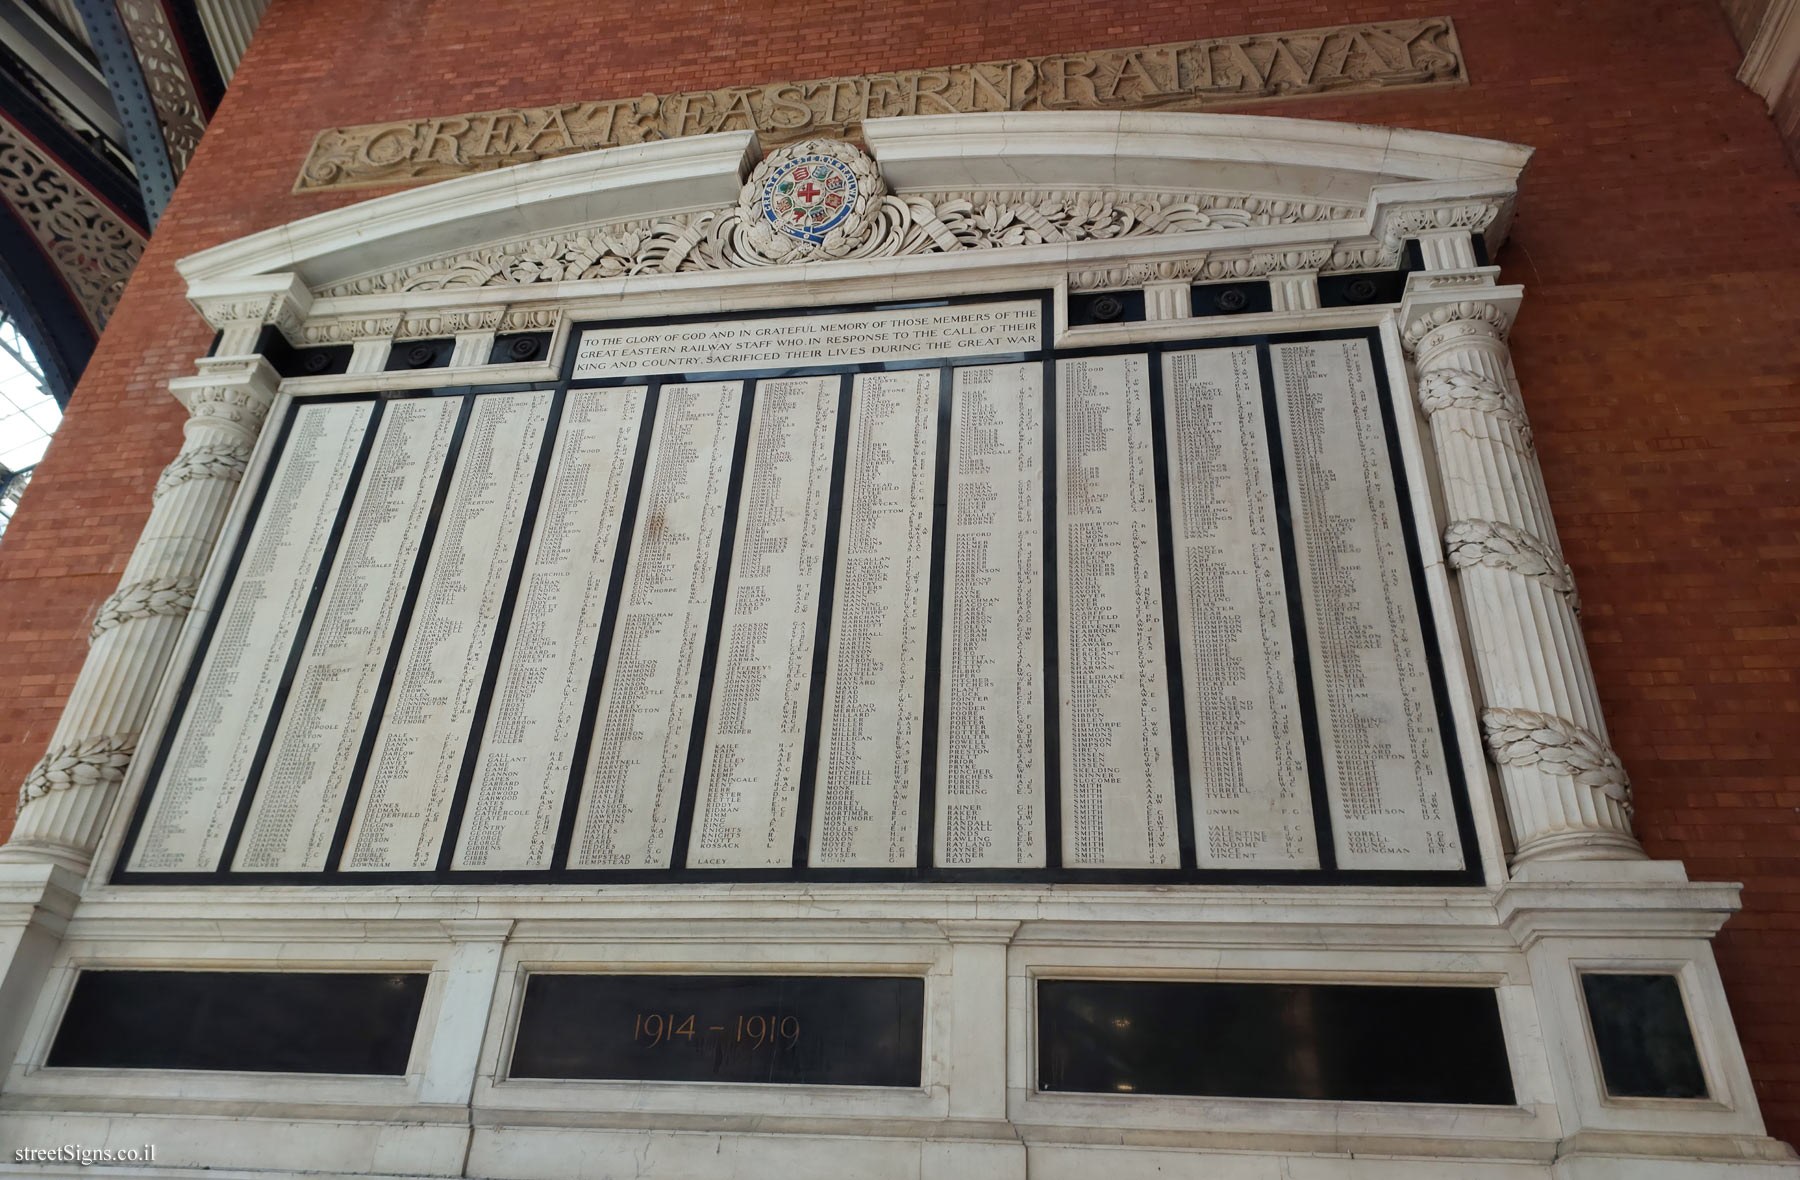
(65, 799)
(1567, 796)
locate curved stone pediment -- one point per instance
(1120, 198)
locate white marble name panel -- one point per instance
(910, 334)
(1246, 747)
(197, 795)
(866, 795)
(1384, 759)
(990, 770)
(636, 765)
(411, 779)
(294, 814)
(522, 769)
(750, 765)
(1118, 787)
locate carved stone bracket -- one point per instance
(141, 600)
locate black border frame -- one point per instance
(799, 872)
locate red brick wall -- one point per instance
(1658, 348)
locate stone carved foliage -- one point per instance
(449, 323)
(178, 107)
(93, 248)
(351, 330)
(1411, 222)
(1521, 737)
(1445, 388)
(1498, 545)
(230, 405)
(202, 462)
(85, 763)
(926, 223)
(1487, 318)
(1221, 267)
(143, 600)
(276, 309)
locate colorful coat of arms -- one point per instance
(811, 199)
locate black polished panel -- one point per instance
(420, 354)
(1107, 307)
(1347, 1042)
(1641, 1031)
(263, 1021)
(794, 1030)
(512, 348)
(1242, 298)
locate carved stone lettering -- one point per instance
(1181, 76)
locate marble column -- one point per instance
(65, 799)
(1567, 796)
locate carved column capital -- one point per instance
(230, 394)
(239, 308)
(1434, 314)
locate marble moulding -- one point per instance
(970, 204)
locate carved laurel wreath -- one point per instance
(1524, 737)
(84, 763)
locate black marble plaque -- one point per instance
(262, 1021)
(1339, 1042)
(783, 1030)
(1641, 1031)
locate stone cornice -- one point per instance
(954, 184)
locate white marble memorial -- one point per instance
(631, 790)
(866, 801)
(756, 728)
(1118, 790)
(1384, 758)
(294, 812)
(990, 771)
(209, 762)
(1246, 751)
(522, 770)
(910, 334)
(418, 756)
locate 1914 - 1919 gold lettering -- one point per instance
(1183, 75)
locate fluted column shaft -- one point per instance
(65, 798)
(1566, 794)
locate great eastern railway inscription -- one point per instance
(895, 592)
(1176, 76)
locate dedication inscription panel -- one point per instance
(898, 592)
